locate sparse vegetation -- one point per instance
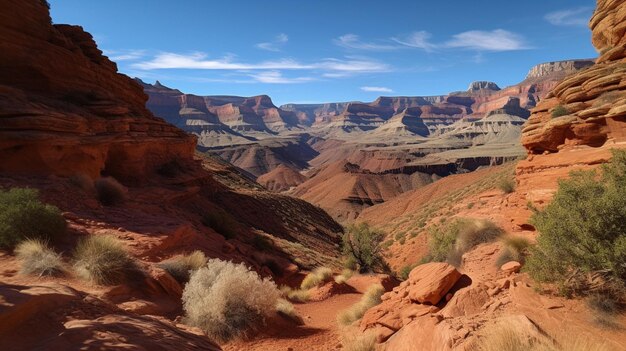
(317, 277)
(583, 230)
(102, 259)
(357, 341)
(470, 205)
(370, 299)
(604, 307)
(507, 185)
(36, 258)
(404, 271)
(110, 191)
(286, 309)
(344, 276)
(180, 267)
(364, 244)
(449, 243)
(221, 222)
(23, 216)
(262, 243)
(228, 301)
(298, 295)
(515, 248)
(82, 181)
(559, 111)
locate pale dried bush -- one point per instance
(318, 276)
(102, 259)
(228, 301)
(370, 299)
(36, 258)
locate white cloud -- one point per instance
(416, 40)
(377, 89)
(570, 17)
(275, 44)
(352, 41)
(124, 55)
(276, 77)
(169, 60)
(496, 40)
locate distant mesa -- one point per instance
(480, 85)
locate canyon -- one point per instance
(241, 180)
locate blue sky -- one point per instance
(322, 50)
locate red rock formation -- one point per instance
(66, 110)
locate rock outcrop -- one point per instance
(66, 110)
(549, 68)
(474, 86)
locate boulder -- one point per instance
(511, 267)
(429, 283)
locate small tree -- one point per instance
(364, 244)
(584, 227)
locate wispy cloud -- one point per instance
(495, 40)
(124, 55)
(170, 60)
(274, 45)
(276, 77)
(352, 41)
(377, 89)
(416, 40)
(570, 17)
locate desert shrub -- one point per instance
(36, 258)
(350, 263)
(559, 111)
(449, 243)
(180, 267)
(227, 300)
(82, 181)
(102, 259)
(110, 192)
(286, 309)
(370, 299)
(583, 229)
(364, 244)
(24, 216)
(262, 243)
(507, 185)
(318, 276)
(359, 341)
(470, 205)
(298, 295)
(221, 222)
(515, 249)
(404, 271)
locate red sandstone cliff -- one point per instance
(64, 109)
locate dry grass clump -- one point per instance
(227, 300)
(286, 309)
(344, 276)
(515, 249)
(507, 185)
(356, 341)
(180, 267)
(319, 276)
(506, 338)
(370, 299)
(36, 258)
(23, 216)
(102, 259)
(295, 295)
(110, 192)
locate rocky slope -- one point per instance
(66, 109)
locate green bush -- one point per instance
(584, 227)
(103, 260)
(559, 111)
(221, 222)
(24, 216)
(404, 272)
(364, 245)
(449, 243)
(110, 191)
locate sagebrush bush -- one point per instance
(286, 309)
(370, 299)
(36, 258)
(559, 111)
(180, 267)
(450, 242)
(103, 260)
(24, 216)
(507, 185)
(319, 276)
(584, 227)
(110, 192)
(364, 245)
(222, 223)
(227, 300)
(514, 249)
